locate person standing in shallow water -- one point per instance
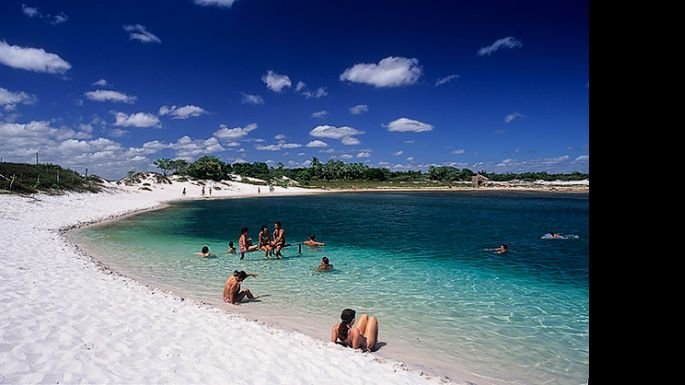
(279, 239)
(364, 336)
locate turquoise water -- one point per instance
(418, 261)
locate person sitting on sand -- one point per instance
(325, 265)
(264, 241)
(279, 239)
(312, 242)
(232, 292)
(502, 249)
(245, 243)
(231, 248)
(204, 252)
(364, 336)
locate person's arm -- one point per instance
(334, 333)
(354, 338)
(251, 275)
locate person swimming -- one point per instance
(313, 242)
(204, 252)
(231, 248)
(502, 249)
(232, 292)
(364, 336)
(325, 265)
(552, 235)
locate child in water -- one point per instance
(325, 265)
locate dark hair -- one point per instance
(243, 230)
(505, 246)
(241, 275)
(346, 317)
(205, 249)
(312, 236)
(279, 224)
(325, 260)
(230, 243)
(265, 227)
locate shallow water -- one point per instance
(417, 261)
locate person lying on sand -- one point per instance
(325, 265)
(204, 252)
(312, 241)
(364, 336)
(232, 292)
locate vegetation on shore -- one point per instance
(49, 178)
(334, 174)
(338, 173)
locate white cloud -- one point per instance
(327, 151)
(233, 144)
(389, 72)
(408, 125)
(251, 99)
(215, 3)
(398, 153)
(279, 137)
(446, 79)
(30, 11)
(110, 96)
(31, 59)
(10, 99)
(232, 134)
(101, 83)
(556, 160)
(505, 162)
(187, 148)
(301, 154)
(300, 86)
(67, 147)
(510, 118)
(345, 134)
(583, 158)
(346, 156)
(319, 114)
(138, 119)
(507, 42)
(317, 144)
(35, 12)
(359, 109)
(458, 151)
(278, 147)
(138, 32)
(409, 141)
(184, 112)
(318, 93)
(364, 154)
(117, 132)
(410, 158)
(350, 141)
(276, 82)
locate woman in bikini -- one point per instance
(265, 240)
(245, 243)
(364, 336)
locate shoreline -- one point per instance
(73, 286)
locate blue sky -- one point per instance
(489, 85)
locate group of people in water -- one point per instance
(269, 243)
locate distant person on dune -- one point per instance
(313, 242)
(364, 336)
(232, 292)
(184, 192)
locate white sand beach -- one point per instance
(65, 319)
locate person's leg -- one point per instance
(278, 250)
(361, 323)
(242, 255)
(242, 294)
(371, 333)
